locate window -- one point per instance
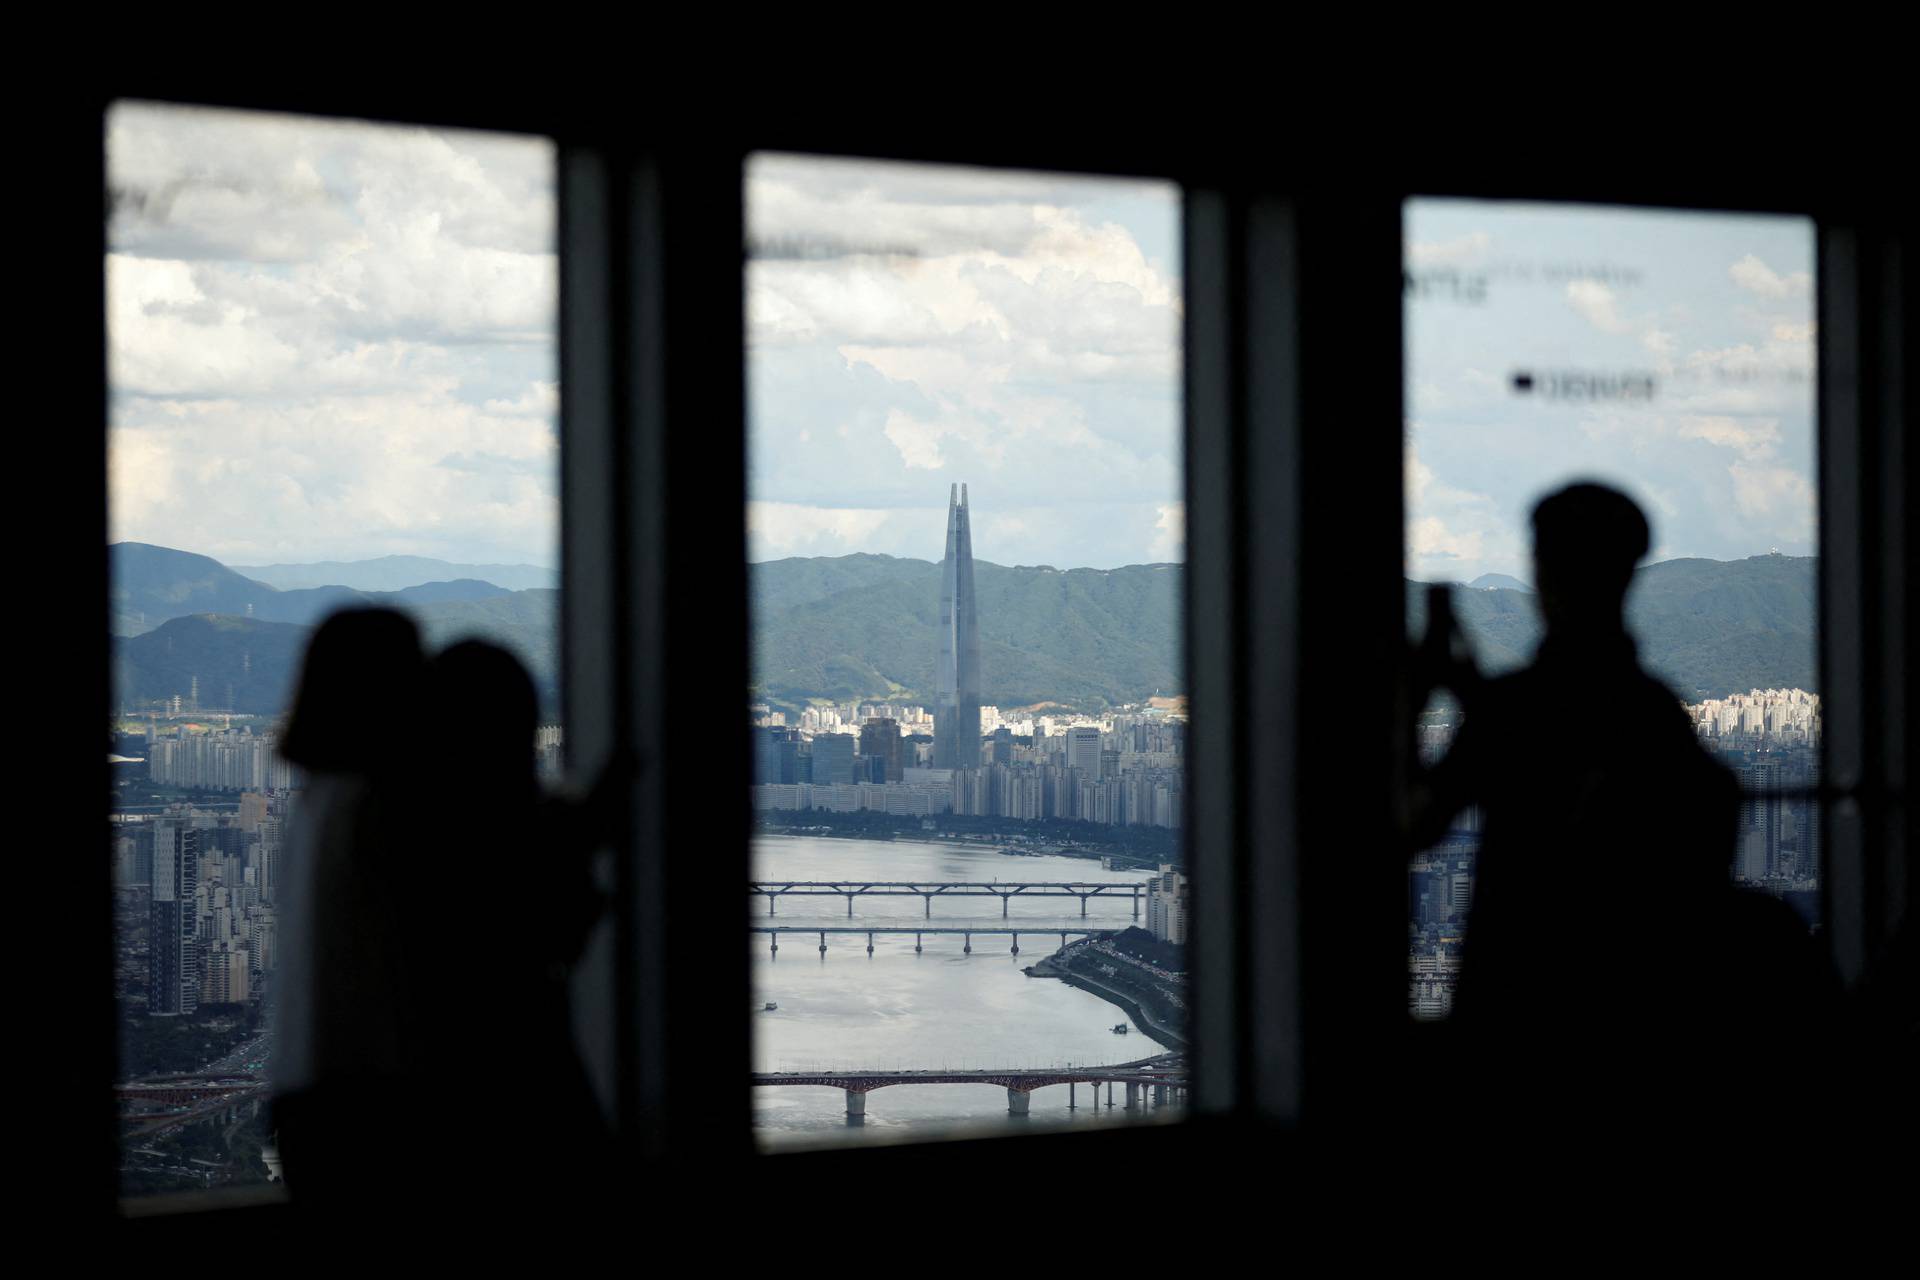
(965, 516)
(1670, 354)
(333, 379)
(1293, 291)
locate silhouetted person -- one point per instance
(1611, 979)
(504, 877)
(427, 1063)
(339, 1023)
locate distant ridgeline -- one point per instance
(862, 626)
(185, 624)
(1708, 628)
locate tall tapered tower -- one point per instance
(956, 713)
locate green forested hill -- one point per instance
(251, 662)
(866, 626)
(1080, 636)
(1706, 627)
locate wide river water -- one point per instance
(941, 1008)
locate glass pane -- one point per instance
(1669, 355)
(332, 358)
(966, 524)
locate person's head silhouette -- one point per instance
(362, 668)
(485, 707)
(1587, 539)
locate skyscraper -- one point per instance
(173, 946)
(880, 739)
(1083, 751)
(956, 713)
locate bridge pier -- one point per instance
(916, 944)
(1133, 1096)
(1096, 1095)
(1016, 944)
(929, 898)
(1159, 1096)
(773, 942)
(770, 900)
(1018, 1102)
(1083, 906)
(1136, 905)
(823, 942)
(869, 944)
(967, 949)
(1070, 1102)
(856, 1103)
(849, 906)
(1005, 899)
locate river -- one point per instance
(941, 1008)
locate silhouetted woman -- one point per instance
(339, 1021)
(507, 875)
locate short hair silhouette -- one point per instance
(1587, 540)
(360, 661)
(486, 705)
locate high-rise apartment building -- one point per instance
(1003, 745)
(173, 919)
(956, 715)
(1167, 905)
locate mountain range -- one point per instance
(396, 573)
(182, 621)
(861, 626)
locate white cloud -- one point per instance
(330, 339)
(918, 442)
(778, 529)
(1596, 302)
(1749, 439)
(1752, 274)
(1001, 328)
(1170, 533)
(1778, 494)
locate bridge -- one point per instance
(773, 931)
(160, 1103)
(1005, 890)
(1165, 1075)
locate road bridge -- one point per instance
(773, 931)
(1005, 890)
(160, 1103)
(1161, 1079)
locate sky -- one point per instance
(1713, 311)
(915, 326)
(335, 341)
(330, 340)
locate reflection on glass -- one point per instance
(332, 368)
(1670, 355)
(968, 907)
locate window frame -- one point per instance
(1293, 295)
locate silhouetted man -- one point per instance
(1594, 980)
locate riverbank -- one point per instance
(1153, 1023)
(1110, 859)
